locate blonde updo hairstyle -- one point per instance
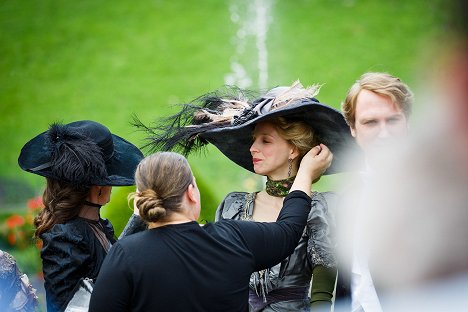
(161, 179)
(296, 132)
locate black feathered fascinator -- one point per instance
(227, 120)
(81, 153)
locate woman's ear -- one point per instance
(93, 195)
(136, 210)
(294, 152)
(191, 193)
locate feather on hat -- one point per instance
(81, 153)
(228, 120)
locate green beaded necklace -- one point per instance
(279, 188)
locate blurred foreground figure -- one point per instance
(16, 293)
(419, 249)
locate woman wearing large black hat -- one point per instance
(269, 135)
(81, 161)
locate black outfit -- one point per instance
(188, 267)
(71, 251)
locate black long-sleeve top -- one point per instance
(70, 252)
(188, 267)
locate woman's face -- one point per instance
(270, 152)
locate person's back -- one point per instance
(186, 257)
(178, 265)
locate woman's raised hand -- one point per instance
(312, 166)
(316, 161)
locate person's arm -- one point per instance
(135, 224)
(322, 249)
(219, 210)
(272, 242)
(113, 288)
(312, 166)
(231, 206)
(323, 286)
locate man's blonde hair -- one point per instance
(382, 84)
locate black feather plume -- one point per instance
(180, 132)
(76, 158)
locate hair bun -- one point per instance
(151, 206)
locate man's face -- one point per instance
(378, 122)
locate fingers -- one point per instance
(322, 156)
(314, 151)
(325, 154)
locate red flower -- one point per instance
(11, 238)
(35, 203)
(39, 244)
(14, 221)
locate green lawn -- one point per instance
(69, 60)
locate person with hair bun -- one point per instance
(179, 265)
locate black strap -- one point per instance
(92, 204)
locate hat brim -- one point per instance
(328, 124)
(120, 167)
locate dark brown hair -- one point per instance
(62, 202)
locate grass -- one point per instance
(64, 61)
(90, 60)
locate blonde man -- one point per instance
(377, 109)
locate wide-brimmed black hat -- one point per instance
(81, 153)
(228, 123)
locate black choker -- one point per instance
(279, 188)
(87, 203)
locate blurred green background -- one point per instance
(106, 60)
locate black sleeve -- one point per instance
(271, 242)
(113, 288)
(66, 257)
(134, 225)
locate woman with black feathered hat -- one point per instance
(269, 135)
(81, 161)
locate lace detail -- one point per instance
(249, 201)
(320, 227)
